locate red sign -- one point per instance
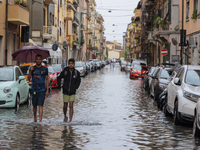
(164, 52)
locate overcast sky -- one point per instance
(120, 16)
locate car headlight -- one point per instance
(162, 86)
(54, 77)
(191, 96)
(6, 89)
(9, 95)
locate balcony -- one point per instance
(94, 48)
(162, 33)
(136, 35)
(75, 21)
(95, 26)
(71, 6)
(88, 16)
(18, 15)
(47, 2)
(50, 33)
(69, 16)
(75, 2)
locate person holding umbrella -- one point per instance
(40, 77)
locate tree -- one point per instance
(125, 53)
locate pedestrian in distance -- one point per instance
(40, 86)
(63, 64)
(71, 83)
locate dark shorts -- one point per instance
(38, 98)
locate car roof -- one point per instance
(192, 67)
(8, 66)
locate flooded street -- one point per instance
(110, 112)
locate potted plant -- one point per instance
(17, 1)
(100, 30)
(162, 23)
(194, 15)
(156, 22)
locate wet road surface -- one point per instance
(110, 112)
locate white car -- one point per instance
(183, 94)
(196, 124)
(128, 67)
(14, 89)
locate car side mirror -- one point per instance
(177, 81)
(21, 78)
(147, 72)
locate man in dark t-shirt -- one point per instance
(39, 75)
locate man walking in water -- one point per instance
(72, 82)
(40, 77)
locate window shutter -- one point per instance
(159, 13)
(152, 21)
(169, 10)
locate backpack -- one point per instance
(65, 73)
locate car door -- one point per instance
(173, 88)
(20, 85)
(154, 81)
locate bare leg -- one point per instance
(35, 113)
(65, 105)
(71, 110)
(40, 112)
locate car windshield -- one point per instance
(193, 77)
(129, 64)
(166, 74)
(140, 68)
(57, 68)
(6, 74)
(138, 63)
(124, 63)
(78, 64)
(50, 69)
(152, 70)
(94, 60)
(25, 70)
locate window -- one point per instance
(195, 5)
(187, 10)
(44, 11)
(198, 5)
(18, 73)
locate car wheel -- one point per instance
(29, 99)
(155, 95)
(17, 101)
(196, 131)
(176, 114)
(165, 108)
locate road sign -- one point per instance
(164, 52)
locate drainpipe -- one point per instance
(6, 33)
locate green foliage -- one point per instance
(156, 22)
(194, 15)
(126, 53)
(163, 23)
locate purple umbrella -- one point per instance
(28, 53)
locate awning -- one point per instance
(30, 43)
(53, 54)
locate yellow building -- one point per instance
(18, 15)
(113, 54)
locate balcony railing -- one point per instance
(50, 32)
(50, 2)
(95, 38)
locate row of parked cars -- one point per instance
(86, 67)
(176, 90)
(15, 89)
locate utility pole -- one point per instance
(6, 32)
(181, 52)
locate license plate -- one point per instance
(140, 78)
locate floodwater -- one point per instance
(111, 112)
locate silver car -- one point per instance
(128, 67)
(80, 67)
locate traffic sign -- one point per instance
(164, 52)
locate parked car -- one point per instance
(128, 67)
(53, 75)
(147, 77)
(137, 62)
(98, 65)
(123, 65)
(92, 66)
(14, 88)
(138, 71)
(160, 81)
(183, 94)
(196, 123)
(25, 70)
(80, 67)
(87, 67)
(57, 68)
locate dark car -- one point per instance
(146, 78)
(87, 67)
(161, 79)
